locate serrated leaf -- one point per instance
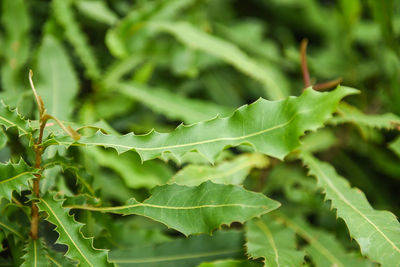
(14, 177)
(11, 118)
(324, 249)
(64, 15)
(377, 232)
(350, 114)
(395, 146)
(3, 138)
(15, 45)
(270, 127)
(79, 247)
(10, 227)
(192, 210)
(183, 252)
(226, 172)
(275, 244)
(58, 260)
(172, 105)
(197, 39)
(35, 254)
(58, 82)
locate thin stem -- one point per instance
(327, 85)
(304, 66)
(38, 160)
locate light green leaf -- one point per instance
(267, 239)
(58, 82)
(15, 45)
(35, 254)
(350, 114)
(377, 232)
(172, 105)
(130, 168)
(11, 118)
(270, 127)
(79, 247)
(97, 10)
(230, 263)
(192, 210)
(64, 15)
(324, 249)
(3, 138)
(14, 177)
(183, 252)
(197, 39)
(226, 172)
(395, 146)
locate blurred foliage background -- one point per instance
(139, 65)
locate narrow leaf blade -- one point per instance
(276, 244)
(14, 177)
(377, 232)
(193, 210)
(261, 125)
(79, 247)
(35, 254)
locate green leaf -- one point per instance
(98, 11)
(350, 114)
(14, 177)
(65, 17)
(276, 244)
(377, 232)
(79, 247)
(58, 260)
(15, 45)
(226, 51)
(323, 247)
(58, 82)
(35, 254)
(261, 125)
(192, 210)
(395, 146)
(1, 241)
(172, 105)
(183, 252)
(11, 118)
(3, 138)
(226, 172)
(10, 227)
(129, 167)
(230, 263)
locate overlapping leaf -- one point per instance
(79, 247)
(377, 232)
(276, 244)
(14, 177)
(35, 254)
(11, 118)
(350, 114)
(172, 105)
(270, 127)
(183, 252)
(226, 172)
(324, 249)
(226, 51)
(200, 209)
(58, 82)
(64, 15)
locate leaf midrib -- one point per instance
(193, 143)
(15, 177)
(63, 227)
(104, 209)
(13, 124)
(172, 258)
(264, 228)
(344, 199)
